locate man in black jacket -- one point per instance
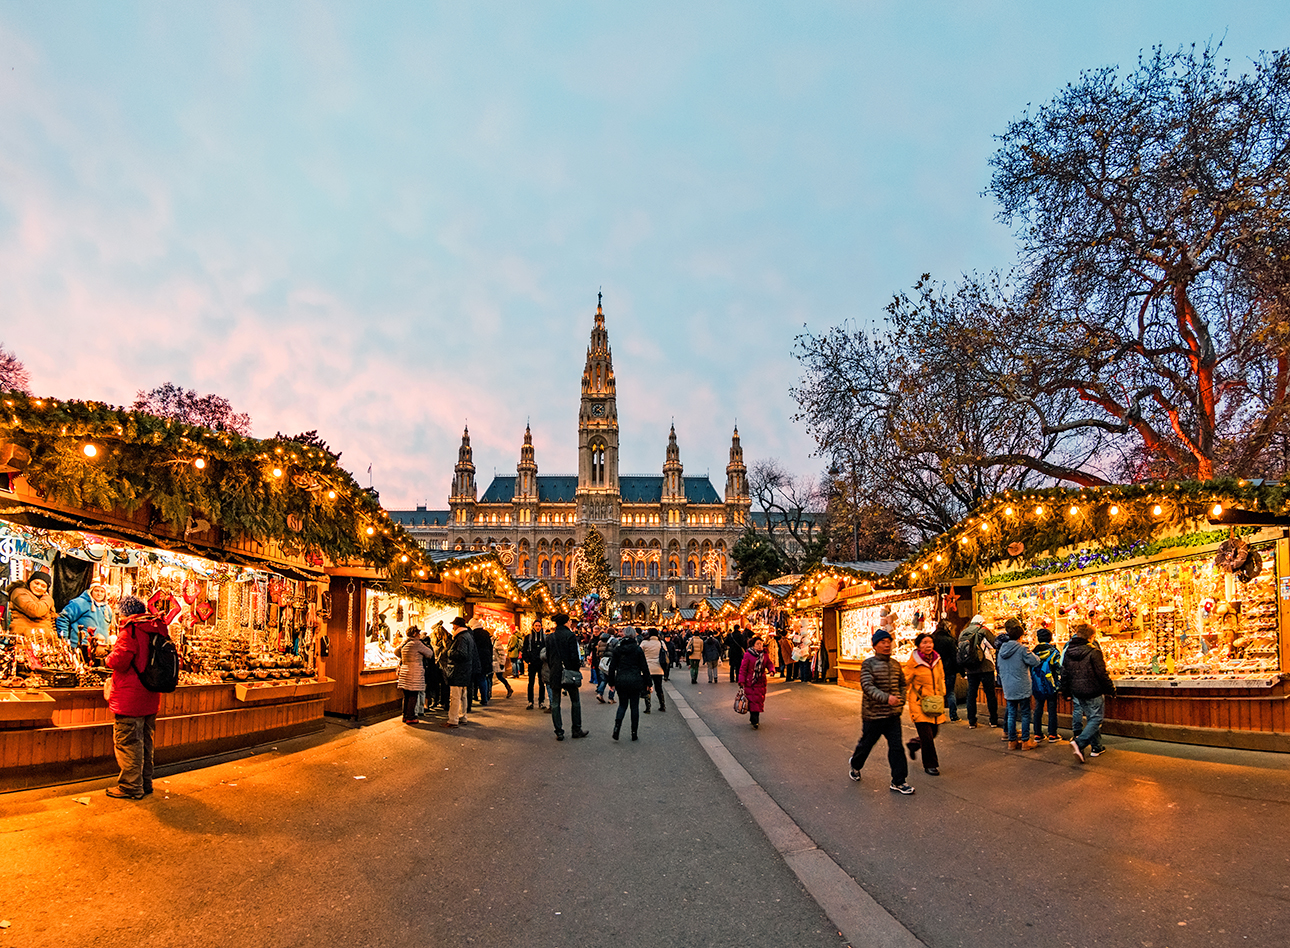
(529, 652)
(460, 666)
(1086, 682)
(882, 680)
(562, 653)
(979, 670)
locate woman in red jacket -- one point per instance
(135, 706)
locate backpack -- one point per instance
(969, 651)
(1044, 676)
(161, 674)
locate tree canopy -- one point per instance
(13, 374)
(185, 405)
(1144, 331)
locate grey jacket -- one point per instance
(880, 679)
(1014, 676)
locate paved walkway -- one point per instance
(498, 835)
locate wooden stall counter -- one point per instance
(73, 741)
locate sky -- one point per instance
(385, 220)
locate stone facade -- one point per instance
(669, 536)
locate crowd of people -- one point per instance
(455, 671)
(1030, 678)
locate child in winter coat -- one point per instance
(1014, 677)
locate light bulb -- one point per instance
(200, 464)
(90, 450)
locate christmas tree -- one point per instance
(594, 573)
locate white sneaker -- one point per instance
(1079, 754)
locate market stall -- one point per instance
(1186, 585)
(224, 537)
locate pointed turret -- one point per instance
(738, 503)
(527, 469)
(463, 497)
(599, 501)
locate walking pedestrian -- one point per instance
(882, 679)
(601, 657)
(460, 667)
(711, 655)
(529, 652)
(1086, 682)
(514, 645)
(655, 657)
(562, 653)
(1045, 682)
(482, 686)
(974, 662)
(629, 674)
(926, 676)
(1015, 662)
(755, 666)
(786, 655)
(735, 646)
(133, 706)
(412, 674)
(946, 641)
(694, 649)
(499, 665)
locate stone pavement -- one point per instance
(496, 834)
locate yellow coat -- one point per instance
(923, 680)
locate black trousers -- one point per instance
(535, 672)
(870, 734)
(658, 690)
(627, 700)
(982, 679)
(926, 742)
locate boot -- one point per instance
(1030, 744)
(509, 690)
(617, 727)
(633, 735)
(1014, 745)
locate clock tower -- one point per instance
(598, 499)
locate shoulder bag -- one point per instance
(741, 701)
(932, 705)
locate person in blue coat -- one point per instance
(1015, 662)
(86, 620)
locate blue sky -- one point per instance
(381, 220)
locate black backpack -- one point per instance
(969, 651)
(161, 674)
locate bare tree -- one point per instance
(1152, 211)
(182, 404)
(13, 374)
(793, 509)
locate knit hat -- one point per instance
(131, 606)
(459, 621)
(41, 575)
(880, 635)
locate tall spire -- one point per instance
(736, 475)
(463, 496)
(673, 484)
(526, 483)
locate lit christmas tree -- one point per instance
(594, 574)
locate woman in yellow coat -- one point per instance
(926, 677)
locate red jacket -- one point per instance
(128, 696)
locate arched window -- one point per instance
(597, 462)
(690, 568)
(673, 567)
(546, 568)
(559, 569)
(653, 569)
(626, 569)
(524, 565)
(640, 569)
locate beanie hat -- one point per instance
(41, 575)
(1015, 629)
(131, 606)
(880, 635)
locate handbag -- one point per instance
(571, 678)
(932, 705)
(741, 702)
(604, 665)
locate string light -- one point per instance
(1115, 511)
(1074, 510)
(90, 450)
(1218, 510)
(1157, 510)
(200, 464)
(277, 472)
(331, 495)
(371, 531)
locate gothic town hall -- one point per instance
(669, 535)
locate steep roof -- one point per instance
(635, 489)
(421, 517)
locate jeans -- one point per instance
(1050, 702)
(575, 708)
(632, 699)
(1090, 712)
(982, 679)
(535, 675)
(712, 672)
(132, 740)
(872, 732)
(1019, 710)
(804, 671)
(951, 699)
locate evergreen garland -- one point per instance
(312, 506)
(1116, 517)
